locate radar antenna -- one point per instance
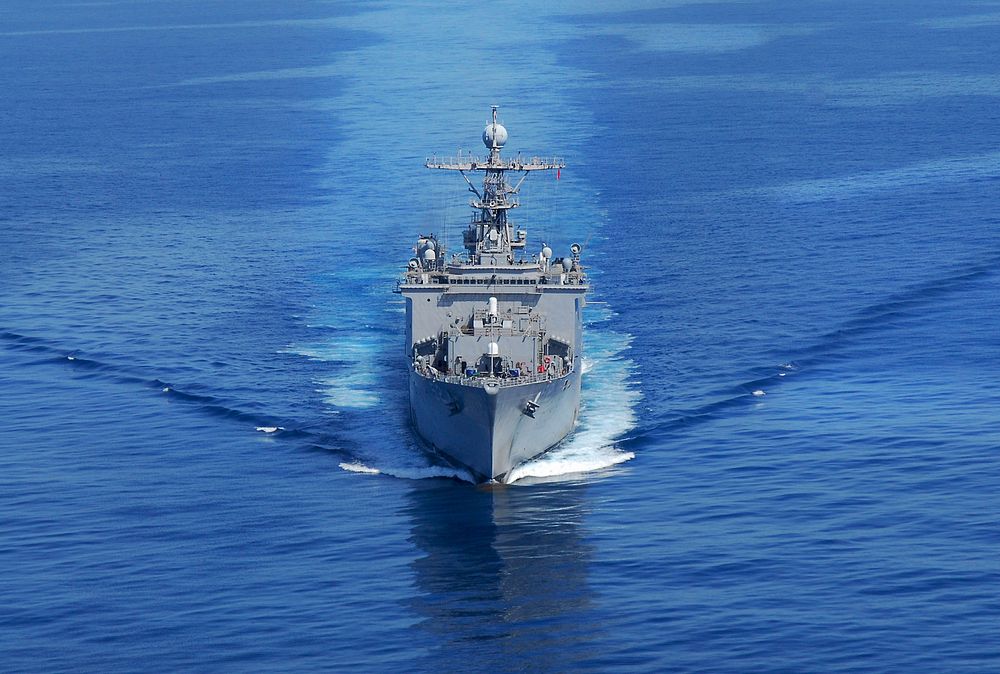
(489, 236)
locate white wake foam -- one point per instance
(569, 463)
(359, 468)
(607, 412)
(408, 472)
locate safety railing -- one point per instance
(482, 381)
(473, 163)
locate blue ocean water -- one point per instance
(787, 458)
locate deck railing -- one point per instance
(473, 163)
(484, 381)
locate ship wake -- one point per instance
(415, 472)
(607, 414)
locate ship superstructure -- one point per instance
(494, 334)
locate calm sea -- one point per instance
(788, 457)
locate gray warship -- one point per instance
(494, 335)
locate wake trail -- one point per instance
(55, 354)
(871, 320)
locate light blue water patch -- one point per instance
(976, 20)
(329, 70)
(355, 358)
(701, 38)
(934, 174)
(888, 89)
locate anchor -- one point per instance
(531, 406)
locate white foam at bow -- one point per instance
(607, 412)
(565, 464)
(359, 468)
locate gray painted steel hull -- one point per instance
(485, 330)
(487, 430)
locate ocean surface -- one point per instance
(788, 455)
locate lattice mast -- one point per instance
(489, 235)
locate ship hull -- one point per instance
(491, 430)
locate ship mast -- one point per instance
(489, 237)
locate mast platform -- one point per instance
(470, 163)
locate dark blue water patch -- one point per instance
(78, 486)
(107, 371)
(181, 124)
(787, 126)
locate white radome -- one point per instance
(494, 133)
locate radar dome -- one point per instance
(494, 134)
(546, 252)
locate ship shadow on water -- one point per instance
(503, 580)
